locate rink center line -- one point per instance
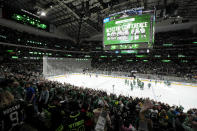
(124, 78)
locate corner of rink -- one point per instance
(176, 93)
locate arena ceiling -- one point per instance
(87, 15)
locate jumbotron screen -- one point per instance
(128, 31)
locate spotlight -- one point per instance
(38, 12)
(43, 13)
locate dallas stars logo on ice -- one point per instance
(122, 31)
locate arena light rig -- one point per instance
(69, 55)
(166, 61)
(184, 61)
(129, 51)
(157, 56)
(10, 51)
(141, 56)
(129, 60)
(14, 57)
(167, 45)
(145, 60)
(103, 56)
(181, 56)
(87, 56)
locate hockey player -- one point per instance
(138, 83)
(131, 84)
(125, 81)
(142, 86)
(155, 82)
(134, 82)
(149, 85)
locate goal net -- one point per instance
(62, 66)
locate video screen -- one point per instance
(129, 31)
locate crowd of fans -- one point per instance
(13, 36)
(30, 102)
(151, 67)
(9, 35)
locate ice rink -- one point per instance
(177, 94)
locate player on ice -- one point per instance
(128, 82)
(131, 84)
(155, 82)
(134, 82)
(142, 86)
(149, 85)
(138, 83)
(125, 81)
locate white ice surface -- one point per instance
(176, 94)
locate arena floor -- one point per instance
(177, 94)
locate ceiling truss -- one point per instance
(67, 14)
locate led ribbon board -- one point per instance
(28, 20)
(24, 18)
(128, 31)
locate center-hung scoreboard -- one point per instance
(129, 29)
